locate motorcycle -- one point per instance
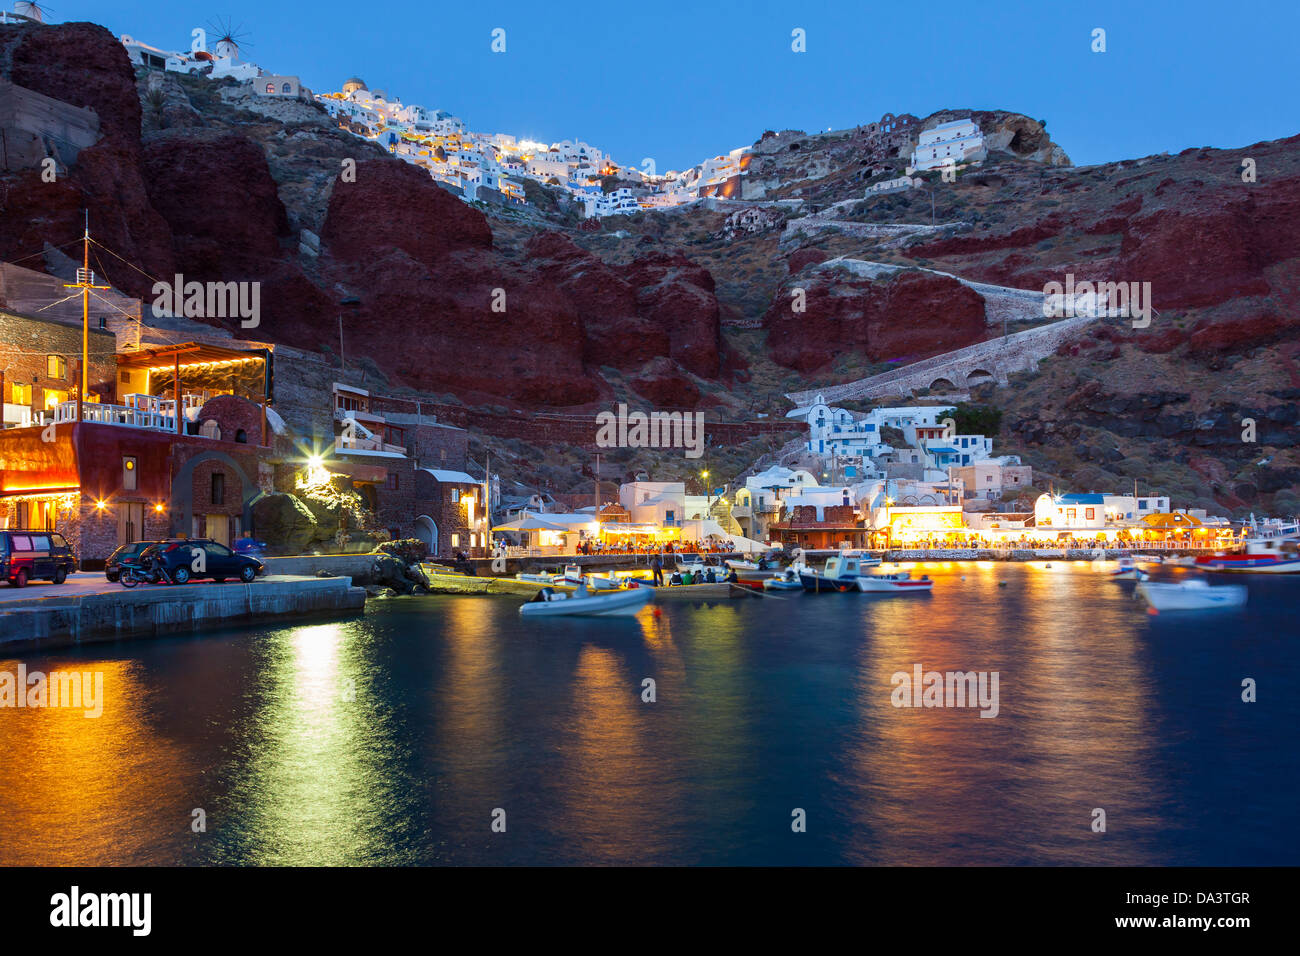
(135, 572)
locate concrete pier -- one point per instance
(53, 620)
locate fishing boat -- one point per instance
(787, 580)
(582, 603)
(900, 582)
(1193, 595)
(1273, 551)
(840, 574)
(695, 565)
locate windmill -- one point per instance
(31, 10)
(230, 39)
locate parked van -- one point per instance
(41, 555)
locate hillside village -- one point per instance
(295, 441)
(492, 167)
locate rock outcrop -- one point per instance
(908, 314)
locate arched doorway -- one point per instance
(426, 529)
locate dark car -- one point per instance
(128, 552)
(28, 555)
(195, 558)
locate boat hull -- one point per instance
(614, 604)
(894, 586)
(1248, 564)
(1182, 597)
(818, 583)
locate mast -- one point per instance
(85, 282)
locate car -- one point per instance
(127, 552)
(188, 559)
(35, 555)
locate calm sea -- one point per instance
(400, 737)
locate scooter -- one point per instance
(135, 572)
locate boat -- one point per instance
(582, 603)
(1193, 595)
(544, 578)
(787, 580)
(1273, 551)
(694, 565)
(900, 582)
(840, 574)
(1126, 569)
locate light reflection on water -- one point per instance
(394, 737)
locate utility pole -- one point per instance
(596, 499)
(85, 282)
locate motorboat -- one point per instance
(544, 578)
(1268, 552)
(787, 580)
(1192, 595)
(840, 574)
(1126, 569)
(695, 565)
(582, 603)
(900, 582)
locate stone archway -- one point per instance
(426, 529)
(942, 384)
(979, 375)
(182, 499)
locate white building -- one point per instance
(957, 141)
(654, 502)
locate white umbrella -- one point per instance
(530, 523)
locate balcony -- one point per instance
(367, 445)
(140, 411)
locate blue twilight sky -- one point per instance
(680, 82)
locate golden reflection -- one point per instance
(1072, 731)
(92, 791)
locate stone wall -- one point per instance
(34, 126)
(27, 343)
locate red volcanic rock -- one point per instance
(677, 295)
(218, 195)
(1159, 341)
(664, 384)
(82, 64)
(396, 205)
(801, 259)
(1197, 256)
(1020, 238)
(1236, 336)
(614, 333)
(910, 313)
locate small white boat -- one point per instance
(601, 582)
(900, 582)
(1193, 595)
(841, 572)
(787, 580)
(535, 578)
(694, 565)
(582, 603)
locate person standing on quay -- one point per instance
(658, 566)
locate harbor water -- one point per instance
(447, 730)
